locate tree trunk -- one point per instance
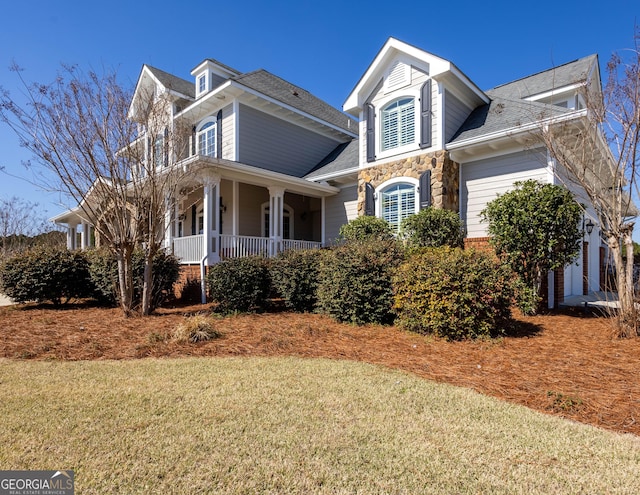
(147, 287)
(627, 317)
(125, 281)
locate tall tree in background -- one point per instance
(20, 220)
(114, 159)
(599, 154)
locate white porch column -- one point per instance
(71, 237)
(276, 218)
(85, 237)
(167, 235)
(211, 186)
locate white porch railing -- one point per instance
(240, 246)
(296, 244)
(189, 249)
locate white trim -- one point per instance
(380, 106)
(554, 92)
(392, 182)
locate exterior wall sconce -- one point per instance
(589, 226)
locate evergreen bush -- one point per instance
(103, 270)
(294, 275)
(433, 227)
(240, 284)
(364, 228)
(46, 274)
(355, 281)
(453, 293)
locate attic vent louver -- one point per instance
(399, 76)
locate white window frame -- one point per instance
(391, 183)
(202, 80)
(380, 106)
(206, 128)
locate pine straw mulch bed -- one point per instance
(563, 363)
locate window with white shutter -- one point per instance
(398, 202)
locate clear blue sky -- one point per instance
(322, 46)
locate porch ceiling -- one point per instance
(249, 174)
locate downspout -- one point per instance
(203, 283)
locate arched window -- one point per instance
(398, 201)
(207, 139)
(398, 126)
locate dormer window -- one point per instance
(206, 136)
(398, 124)
(202, 83)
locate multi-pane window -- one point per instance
(202, 84)
(398, 202)
(398, 123)
(158, 152)
(207, 139)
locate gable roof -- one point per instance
(175, 83)
(294, 96)
(511, 105)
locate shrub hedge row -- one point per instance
(58, 275)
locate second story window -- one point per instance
(202, 84)
(158, 152)
(207, 139)
(398, 125)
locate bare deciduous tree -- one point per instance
(599, 154)
(111, 156)
(19, 221)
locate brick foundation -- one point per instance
(188, 284)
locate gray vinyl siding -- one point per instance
(340, 209)
(251, 199)
(483, 180)
(268, 142)
(455, 113)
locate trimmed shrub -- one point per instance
(453, 293)
(240, 284)
(46, 274)
(433, 227)
(355, 281)
(294, 275)
(366, 228)
(103, 270)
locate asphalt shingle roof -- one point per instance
(508, 108)
(174, 83)
(283, 91)
(343, 157)
(557, 77)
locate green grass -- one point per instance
(189, 426)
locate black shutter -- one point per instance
(370, 118)
(425, 115)
(219, 134)
(194, 218)
(425, 189)
(369, 200)
(193, 140)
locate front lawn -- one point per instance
(291, 425)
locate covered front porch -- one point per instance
(229, 211)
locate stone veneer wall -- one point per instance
(444, 177)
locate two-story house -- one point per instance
(277, 168)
